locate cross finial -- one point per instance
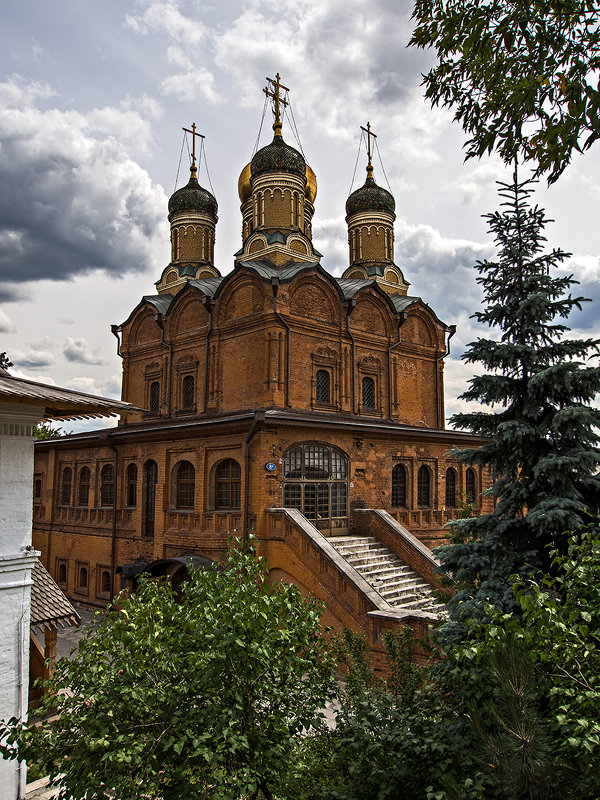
(194, 134)
(369, 133)
(275, 94)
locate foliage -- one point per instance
(398, 737)
(198, 695)
(537, 723)
(5, 361)
(45, 430)
(521, 75)
(542, 442)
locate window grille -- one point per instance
(399, 486)
(65, 486)
(228, 484)
(83, 492)
(322, 394)
(368, 393)
(470, 485)
(450, 488)
(188, 391)
(107, 485)
(131, 479)
(150, 479)
(424, 487)
(185, 480)
(318, 486)
(154, 397)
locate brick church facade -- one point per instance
(279, 400)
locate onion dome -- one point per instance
(278, 157)
(244, 185)
(311, 185)
(370, 197)
(193, 197)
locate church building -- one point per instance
(278, 400)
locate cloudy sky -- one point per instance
(93, 96)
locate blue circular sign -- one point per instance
(270, 466)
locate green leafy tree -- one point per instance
(542, 433)
(521, 75)
(45, 430)
(199, 694)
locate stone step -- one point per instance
(391, 577)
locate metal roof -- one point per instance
(58, 403)
(161, 302)
(207, 286)
(50, 608)
(267, 270)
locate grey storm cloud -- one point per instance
(33, 359)
(80, 351)
(72, 200)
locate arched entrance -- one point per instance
(315, 481)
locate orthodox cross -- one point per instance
(369, 133)
(275, 95)
(194, 134)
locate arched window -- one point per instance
(83, 489)
(154, 397)
(107, 485)
(185, 476)
(322, 390)
(228, 484)
(399, 486)
(149, 497)
(368, 393)
(65, 486)
(105, 581)
(316, 483)
(470, 482)
(424, 487)
(450, 488)
(188, 392)
(83, 578)
(62, 573)
(131, 486)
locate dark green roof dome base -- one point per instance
(193, 197)
(278, 157)
(370, 197)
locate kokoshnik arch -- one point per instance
(280, 400)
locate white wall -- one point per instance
(16, 562)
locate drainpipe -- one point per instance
(259, 417)
(350, 306)
(451, 331)
(403, 317)
(208, 306)
(160, 322)
(275, 285)
(114, 329)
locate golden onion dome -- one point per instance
(311, 185)
(244, 185)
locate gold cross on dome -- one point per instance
(194, 134)
(369, 133)
(275, 95)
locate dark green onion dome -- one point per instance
(278, 157)
(370, 197)
(193, 197)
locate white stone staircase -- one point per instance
(391, 577)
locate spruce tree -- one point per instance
(542, 433)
